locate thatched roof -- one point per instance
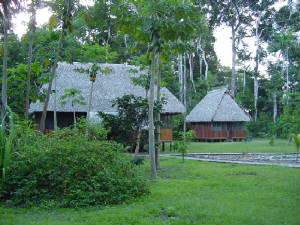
(107, 87)
(218, 106)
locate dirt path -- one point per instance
(280, 159)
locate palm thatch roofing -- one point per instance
(218, 106)
(107, 87)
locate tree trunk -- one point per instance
(151, 144)
(274, 107)
(200, 66)
(157, 160)
(184, 94)
(44, 114)
(137, 147)
(54, 111)
(108, 35)
(190, 101)
(180, 75)
(287, 73)
(4, 68)
(32, 30)
(108, 22)
(125, 40)
(90, 100)
(191, 71)
(74, 117)
(233, 73)
(256, 71)
(203, 57)
(206, 65)
(88, 116)
(255, 96)
(244, 80)
(200, 58)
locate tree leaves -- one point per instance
(74, 95)
(157, 22)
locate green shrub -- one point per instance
(296, 138)
(178, 122)
(67, 170)
(262, 127)
(95, 131)
(182, 144)
(177, 126)
(289, 120)
(272, 141)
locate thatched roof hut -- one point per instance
(218, 105)
(107, 87)
(218, 116)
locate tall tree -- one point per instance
(67, 10)
(184, 94)
(155, 22)
(262, 13)
(202, 56)
(158, 98)
(8, 7)
(237, 14)
(180, 76)
(95, 54)
(283, 42)
(281, 34)
(32, 24)
(275, 87)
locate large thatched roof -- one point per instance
(107, 87)
(218, 106)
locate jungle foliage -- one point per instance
(68, 169)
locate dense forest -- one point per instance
(265, 82)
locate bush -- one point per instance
(272, 141)
(178, 122)
(94, 131)
(289, 120)
(262, 128)
(67, 170)
(182, 144)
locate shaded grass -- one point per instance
(191, 193)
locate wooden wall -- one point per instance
(166, 135)
(205, 132)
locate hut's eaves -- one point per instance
(107, 87)
(218, 106)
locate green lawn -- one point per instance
(257, 145)
(191, 193)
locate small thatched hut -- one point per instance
(218, 117)
(107, 87)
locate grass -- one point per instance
(257, 145)
(190, 193)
